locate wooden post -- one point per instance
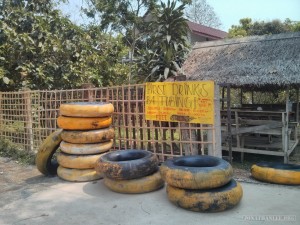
(1, 116)
(297, 105)
(229, 136)
(28, 119)
(297, 113)
(223, 96)
(218, 138)
(286, 127)
(238, 143)
(88, 93)
(214, 135)
(241, 100)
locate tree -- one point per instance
(167, 45)
(247, 27)
(40, 49)
(199, 11)
(125, 17)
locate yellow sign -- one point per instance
(190, 102)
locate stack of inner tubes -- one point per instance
(130, 171)
(87, 135)
(201, 183)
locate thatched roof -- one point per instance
(257, 61)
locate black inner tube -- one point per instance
(197, 162)
(126, 155)
(281, 166)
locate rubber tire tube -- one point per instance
(196, 172)
(145, 184)
(84, 123)
(88, 137)
(43, 160)
(86, 149)
(278, 173)
(127, 164)
(86, 109)
(77, 161)
(79, 175)
(213, 200)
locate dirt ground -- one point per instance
(19, 181)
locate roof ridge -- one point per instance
(199, 24)
(249, 39)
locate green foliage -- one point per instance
(120, 15)
(41, 49)
(15, 151)
(124, 17)
(247, 27)
(167, 45)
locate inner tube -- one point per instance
(278, 173)
(127, 164)
(196, 172)
(145, 184)
(86, 149)
(89, 136)
(84, 123)
(213, 200)
(79, 175)
(86, 109)
(44, 157)
(77, 161)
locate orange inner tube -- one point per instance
(84, 123)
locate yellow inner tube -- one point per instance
(81, 175)
(43, 159)
(86, 149)
(135, 186)
(212, 200)
(88, 136)
(86, 109)
(278, 173)
(77, 161)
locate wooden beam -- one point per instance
(258, 122)
(254, 151)
(255, 128)
(293, 147)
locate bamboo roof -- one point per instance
(253, 62)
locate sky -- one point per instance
(229, 11)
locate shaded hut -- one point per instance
(258, 63)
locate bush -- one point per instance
(16, 152)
